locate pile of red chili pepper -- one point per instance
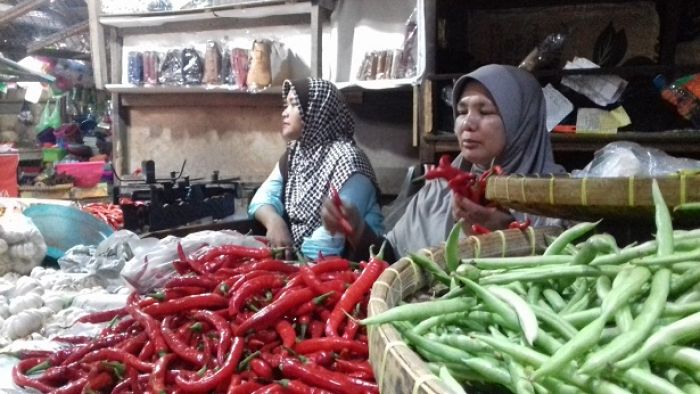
(235, 320)
(109, 213)
(464, 183)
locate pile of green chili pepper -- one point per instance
(235, 320)
(586, 316)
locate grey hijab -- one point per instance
(518, 96)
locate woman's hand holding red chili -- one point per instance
(473, 213)
(342, 219)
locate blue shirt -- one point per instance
(358, 191)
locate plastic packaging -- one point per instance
(150, 67)
(135, 65)
(192, 67)
(239, 68)
(50, 116)
(212, 64)
(259, 73)
(545, 53)
(686, 103)
(410, 52)
(624, 159)
(171, 68)
(151, 267)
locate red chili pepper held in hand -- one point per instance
(344, 223)
(479, 229)
(519, 225)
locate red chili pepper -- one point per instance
(353, 366)
(134, 344)
(272, 312)
(222, 327)
(244, 388)
(303, 321)
(324, 358)
(147, 351)
(286, 332)
(251, 287)
(272, 388)
(180, 347)
(351, 329)
(193, 265)
(479, 229)
(22, 380)
(268, 265)
(268, 347)
(329, 265)
(209, 382)
(353, 295)
(443, 170)
(318, 376)
(190, 281)
(116, 355)
(150, 324)
(333, 344)
(197, 301)
(236, 251)
(99, 343)
(338, 203)
(520, 225)
(298, 387)
(156, 382)
(104, 316)
(345, 276)
(261, 368)
(316, 329)
(73, 387)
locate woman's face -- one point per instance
(479, 126)
(291, 121)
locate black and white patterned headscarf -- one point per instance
(326, 154)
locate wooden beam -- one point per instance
(97, 44)
(19, 10)
(59, 36)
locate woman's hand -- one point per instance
(473, 213)
(278, 235)
(333, 216)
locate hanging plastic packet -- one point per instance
(239, 67)
(260, 72)
(135, 69)
(192, 68)
(226, 73)
(212, 64)
(171, 68)
(410, 52)
(150, 67)
(25, 115)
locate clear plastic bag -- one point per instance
(151, 267)
(624, 159)
(212, 64)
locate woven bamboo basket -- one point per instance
(590, 198)
(399, 369)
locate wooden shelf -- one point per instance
(190, 89)
(676, 142)
(624, 71)
(250, 9)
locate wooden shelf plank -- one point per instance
(187, 89)
(673, 142)
(253, 9)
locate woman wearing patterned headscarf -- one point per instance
(321, 154)
(499, 119)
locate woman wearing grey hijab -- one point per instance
(499, 118)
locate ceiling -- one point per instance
(44, 27)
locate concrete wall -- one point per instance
(244, 140)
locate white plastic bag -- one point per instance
(625, 159)
(151, 267)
